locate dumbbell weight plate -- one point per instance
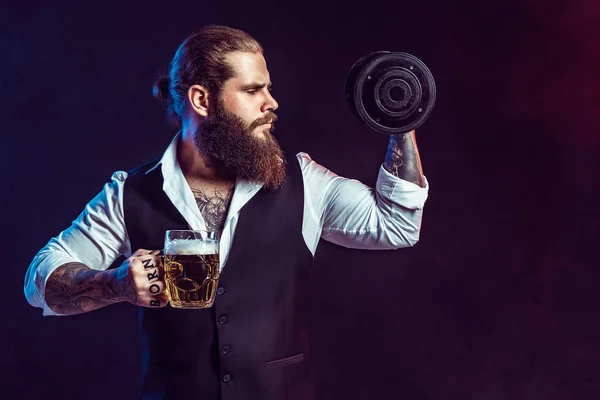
(392, 93)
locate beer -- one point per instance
(191, 272)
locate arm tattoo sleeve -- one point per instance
(74, 288)
(402, 159)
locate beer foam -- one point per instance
(192, 246)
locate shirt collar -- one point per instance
(168, 161)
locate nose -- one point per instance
(270, 103)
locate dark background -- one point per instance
(499, 299)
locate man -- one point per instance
(225, 171)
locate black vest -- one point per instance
(252, 344)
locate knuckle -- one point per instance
(134, 267)
(141, 252)
(134, 262)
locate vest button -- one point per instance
(225, 349)
(220, 290)
(222, 319)
(226, 378)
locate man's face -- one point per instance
(248, 94)
(237, 135)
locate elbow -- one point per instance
(35, 285)
(32, 297)
(407, 240)
(31, 291)
(36, 299)
(29, 286)
(402, 233)
(412, 240)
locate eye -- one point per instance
(251, 91)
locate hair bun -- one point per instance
(160, 90)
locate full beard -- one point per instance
(229, 144)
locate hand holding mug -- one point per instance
(143, 273)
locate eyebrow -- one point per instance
(256, 85)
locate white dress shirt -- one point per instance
(339, 210)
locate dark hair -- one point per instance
(201, 60)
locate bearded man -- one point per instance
(224, 171)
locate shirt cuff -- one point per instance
(400, 191)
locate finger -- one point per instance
(149, 261)
(158, 301)
(157, 260)
(161, 272)
(157, 287)
(160, 267)
(154, 274)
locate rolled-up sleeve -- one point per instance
(96, 238)
(355, 215)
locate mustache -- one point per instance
(271, 117)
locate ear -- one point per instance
(199, 99)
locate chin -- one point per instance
(261, 133)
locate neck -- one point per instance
(193, 164)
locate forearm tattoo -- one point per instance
(74, 288)
(402, 159)
(213, 206)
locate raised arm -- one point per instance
(351, 214)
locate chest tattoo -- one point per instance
(213, 205)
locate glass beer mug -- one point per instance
(191, 263)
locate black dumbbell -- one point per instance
(392, 93)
